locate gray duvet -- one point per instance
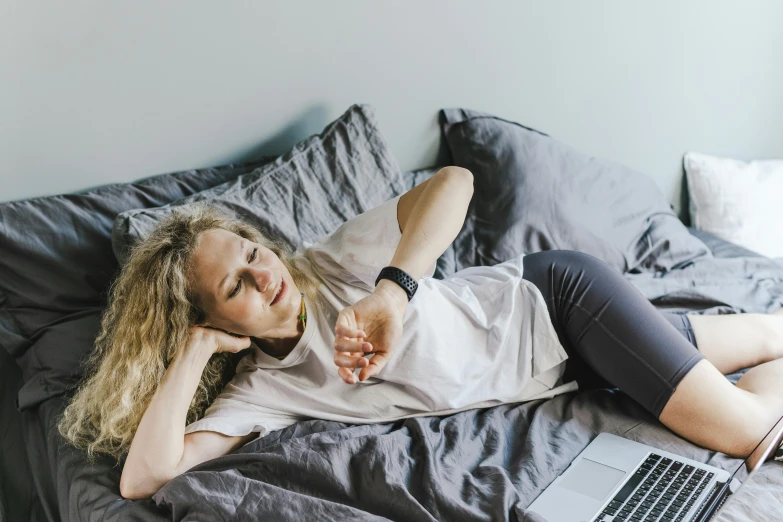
(484, 464)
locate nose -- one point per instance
(264, 277)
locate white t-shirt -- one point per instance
(478, 338)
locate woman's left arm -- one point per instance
(430, 216)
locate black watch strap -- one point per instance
(400, 277)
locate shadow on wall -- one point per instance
(311, 121)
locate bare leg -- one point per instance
(746, 412)
(597, 321)
(732, 342)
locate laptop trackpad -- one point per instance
(592, 479)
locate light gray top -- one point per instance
(478, 338)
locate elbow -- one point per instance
(139, 488)
(464, 176)
(133, 491)
(132, 494)
(129, 492)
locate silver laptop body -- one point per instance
(618, 480)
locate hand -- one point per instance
(375, 323)
(214, 340)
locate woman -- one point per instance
(202, 287)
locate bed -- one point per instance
(480, 464)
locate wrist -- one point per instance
(194, 354)
(394, 291)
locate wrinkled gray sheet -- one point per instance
(18, 497)
(484, 464)
(716, 285)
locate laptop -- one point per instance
(618, 480)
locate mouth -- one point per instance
(281, 292)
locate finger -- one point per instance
(349, 345)
(230, 342)
(347, 375)
(241, 344)
(350, 361)
(347, 331)
(377, 363)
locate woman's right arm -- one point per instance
(160, 449)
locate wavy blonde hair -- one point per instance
(149, 316)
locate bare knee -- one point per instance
(749, 424)
(746, 434)
(772, 347)
(710, 411)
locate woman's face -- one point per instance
(236, 281)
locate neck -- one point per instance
(280, 347)
(277, 347)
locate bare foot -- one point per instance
(775, 437)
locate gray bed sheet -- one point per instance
(716, 286)
(482, 464)
(18, 496)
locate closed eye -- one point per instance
(239, 283)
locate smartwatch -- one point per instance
(400, 277)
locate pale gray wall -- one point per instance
(96, 92)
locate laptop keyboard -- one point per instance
(661, 490)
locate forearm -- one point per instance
(158, 444)
(434, 222)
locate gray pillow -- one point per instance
(56, 263)
(533, 193)
(304, 194)
(720, 247)
(55, 251)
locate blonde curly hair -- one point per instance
(149, 315)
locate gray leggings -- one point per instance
(613, 335)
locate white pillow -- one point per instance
(739, 201)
